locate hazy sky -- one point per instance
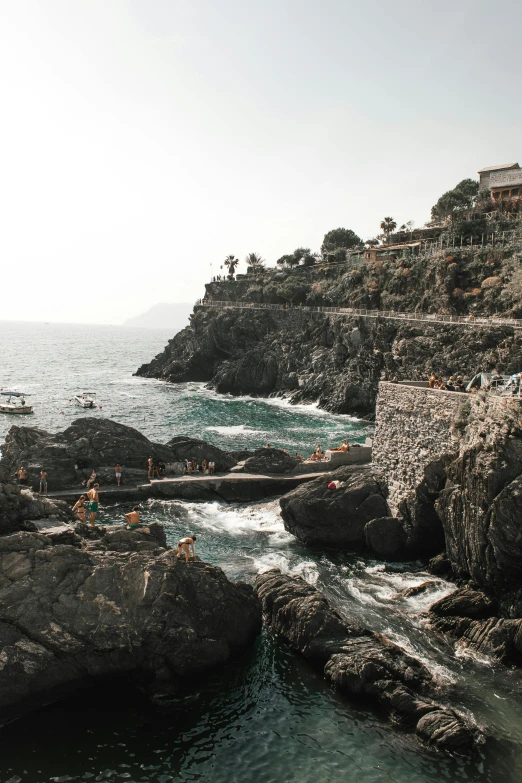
(142, 140)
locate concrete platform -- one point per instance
(238, 487)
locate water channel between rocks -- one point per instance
(267, 716)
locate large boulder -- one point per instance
(270, 461)
(337, 518)
(184, 448)
(21, 510)
(118, 603)
(69, 456)
(362, 663)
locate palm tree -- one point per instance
(255, 262)
(388, 225)
(231, 262)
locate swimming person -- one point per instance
(94, 502)
(185, 545)
(117, 473)
(79, 507)
(133, 518)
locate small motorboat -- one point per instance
(15, 403)
(86, 399)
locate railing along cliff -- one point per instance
(464, 320)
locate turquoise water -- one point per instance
(266, 717)
(53, 362)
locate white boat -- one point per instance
(86, 399)
(15, 403)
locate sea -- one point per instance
(266, 716)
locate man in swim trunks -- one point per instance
(94, 502)
(22, 475)
(185, 545)
(133, 518)
(117, 473)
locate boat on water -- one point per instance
(86, 399)
(14, 402)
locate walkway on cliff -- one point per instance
(438, 318)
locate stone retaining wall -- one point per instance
(413, 427)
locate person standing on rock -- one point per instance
(79, 507)
(94, 502)
(91, 479)
(211, 467)
(185, 545)
(43, 482)
(117, 473)
(22, 475)
(150, 467)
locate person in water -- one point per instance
(79, 507)
(133, 518)
(94, 503)
(186, 547)
(117, 473)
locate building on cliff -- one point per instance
(504, 181)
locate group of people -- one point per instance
(207, 468)
(92, 499)
(22, 477)
(155, 468)
(453, 383)
(320, 455)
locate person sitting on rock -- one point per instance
(268, 446)
(344, 447)
(298, 456)
(133, 518)
(395, 379)
(79, 507)
(432, 381)
(450, 386)
(94, 502)
(186, 547)
(460, 385)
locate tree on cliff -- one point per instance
(255, 262)
(231, 262)
(460, 197)
(388, 226)
(337, 238)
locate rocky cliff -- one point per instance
(360, 663)
(78, 605)
(335, 359)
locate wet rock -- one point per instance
(317, 515)
(440, 565)
(424, 587)
(270, 461)
(361, 663)
(386, 538)
(119, 603)
(497, 638)
(465, 603)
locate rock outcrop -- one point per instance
(361, 663)
(270, 461)
(335, 360)
(77, 605)
(337, 518)
(96, 443)
(21, 510)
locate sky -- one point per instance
(142, 141)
